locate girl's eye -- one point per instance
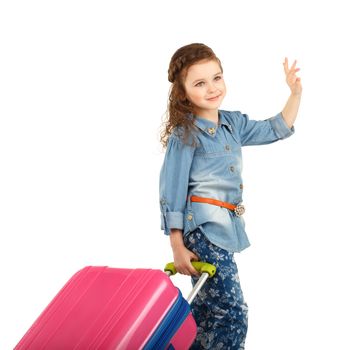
(200, 83)
(218, 77)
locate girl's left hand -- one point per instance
(292, 80)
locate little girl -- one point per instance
(201, 186)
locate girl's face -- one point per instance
(205, 87)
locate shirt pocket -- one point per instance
(213, 150)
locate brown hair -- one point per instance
(179, 107)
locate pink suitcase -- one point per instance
(109, 308)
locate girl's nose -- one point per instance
(212, 87)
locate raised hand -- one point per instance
(292, 80)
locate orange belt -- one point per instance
(238, 209)
(214, 202)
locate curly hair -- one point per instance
(180, 109)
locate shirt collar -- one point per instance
(208, 126)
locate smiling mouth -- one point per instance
(213, 98)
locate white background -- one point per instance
(83, 88)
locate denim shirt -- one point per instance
(212, 169)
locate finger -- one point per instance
(293, 65)
(189, 269)
(285, 65)
(187, 272)
(194, 272)
(180, 269)
(292, 73)
(194, 257)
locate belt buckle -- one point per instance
(239, 210)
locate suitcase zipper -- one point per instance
(169, 326)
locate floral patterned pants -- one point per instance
(219, 308)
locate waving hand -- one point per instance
(292, 80)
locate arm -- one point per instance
(173, 183)
(173, 194)
(259, 132)
(182, 256)
(291, 108)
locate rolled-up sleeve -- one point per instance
(260, 132)
(173, 183)
(280, 127)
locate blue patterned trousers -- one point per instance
(219, 308)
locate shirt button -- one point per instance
(227, 147)
(232, 168)
(211, 131)
(241, 186)
(189, 217)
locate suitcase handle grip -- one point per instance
(200, 266)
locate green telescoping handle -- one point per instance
(206, 270)
(198, 265)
